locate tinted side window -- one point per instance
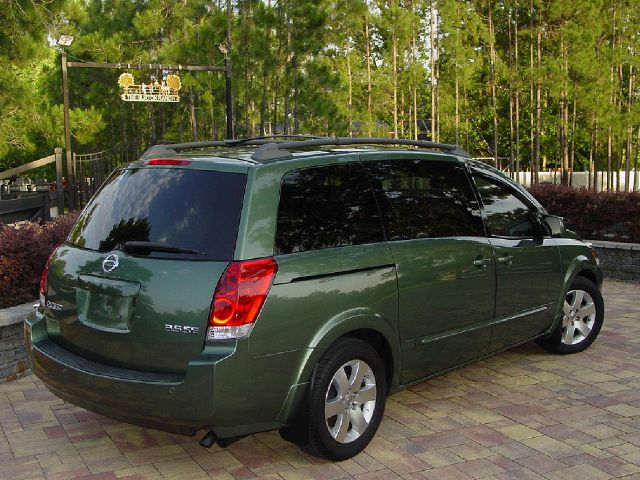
(425, 199)
(326, 207)
(507, 215)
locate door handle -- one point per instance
(481, 262)
(506, 259)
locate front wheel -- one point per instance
(582, 318)
(347, 399)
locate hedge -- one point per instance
(24, 249)
(594, 215)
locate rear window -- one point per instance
(191, 209)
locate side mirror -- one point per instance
(554, 225)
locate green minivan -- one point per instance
(293, 283)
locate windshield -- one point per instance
(197, 210)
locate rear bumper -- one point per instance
(214, 392)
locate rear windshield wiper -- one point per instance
(146, 247)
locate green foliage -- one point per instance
(328, 67)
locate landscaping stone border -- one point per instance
(619, 260)
(14, 362)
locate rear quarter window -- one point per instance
(326, 207)
(192, 209)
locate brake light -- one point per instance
(43, 276)
(167, 161)
(239, 296)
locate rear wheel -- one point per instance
(347, 399)
(583, 314)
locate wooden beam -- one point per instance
(27, 166)
(148, 66)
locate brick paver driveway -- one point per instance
(523, 414)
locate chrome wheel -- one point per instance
(579, 317)
(350, 401)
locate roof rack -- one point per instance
(277, 146)
(279, 149)
(168, 148)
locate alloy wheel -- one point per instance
(350, 401)
(579, 317)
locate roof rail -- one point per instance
(280, 149)
(168, 148)
(278, 146)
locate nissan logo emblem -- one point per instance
(110, 263)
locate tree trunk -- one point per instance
(573, 145)
(414, 87)
(492, 83)
(350, 82)
(368, 48)
(511, 106)
(620, 110)
(437, 64)
(457, 118)
(432, 71)
(531, 98)
(609, 152)
(595, 158)
(402, 115)
(564, 112)
(395, 83)
(194, 121)
(296, 105)
(263, 101)
(627, 170)
(538, 110)
(214, 133)
(636, 173)
(517, 96)
(591, 141)
(466, 119)
(415, 112)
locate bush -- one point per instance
(594, 215)
(24, 249)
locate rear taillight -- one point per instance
(43, 277)
(167, 161)
(239, 296)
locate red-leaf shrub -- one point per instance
(24, 249)
(594, 215)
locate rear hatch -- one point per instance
(132, 287)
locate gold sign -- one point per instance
(167, 91)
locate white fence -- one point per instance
(581, 179)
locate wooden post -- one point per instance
(59, 185)
(67, 132)
(46, 207)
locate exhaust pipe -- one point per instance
(208, 440)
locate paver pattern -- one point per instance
(524, 414)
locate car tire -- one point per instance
(583, 315)
(346, 400)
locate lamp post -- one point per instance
(225, 50)
(65, 41)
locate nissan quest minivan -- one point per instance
(292, 284)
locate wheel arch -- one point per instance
(582, 266)
(380, 345)
(363, 325)
(589, 275)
